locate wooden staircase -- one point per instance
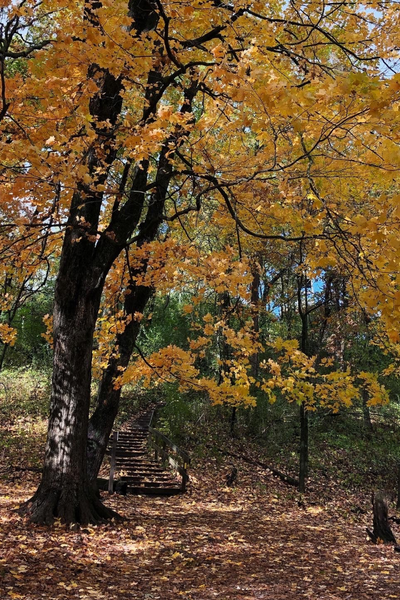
(134, 471)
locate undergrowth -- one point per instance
(341, 451)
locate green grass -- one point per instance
(24, 405)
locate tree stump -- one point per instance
(381, 532)
(231, 478)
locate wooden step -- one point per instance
(152, 491)
(128, 454)
(159, 477)
(131, 481)
(142, 470)
(138, 472)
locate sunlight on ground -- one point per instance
(207, 544)
(260, 540)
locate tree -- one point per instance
(152, 112)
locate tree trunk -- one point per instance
(366, 412)
(3, 355)
(64, 491)
(255, 299)
(86, 258)
(381, 532)
(224, 302)
(233, 420)
(303, 470)
(304, 346)
(102, 420)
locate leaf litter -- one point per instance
(250, 542)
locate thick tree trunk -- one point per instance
(87, 255)
(64, 491)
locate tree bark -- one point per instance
(64, 491)
(102, 419)
(303, 469)
(381, 532)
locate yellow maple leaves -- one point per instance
(289, 140)
(298, 378)
(8, 334)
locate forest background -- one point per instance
(199, 206)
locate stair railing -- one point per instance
(164, 449)
(169, 453)
(113, 454)
(113, 461)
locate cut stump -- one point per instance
(382, 533)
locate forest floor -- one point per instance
(258, 540)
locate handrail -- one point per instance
(179, 460)
(161, 442)
(113, 461)
(168, 442)
(153, 416)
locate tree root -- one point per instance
(68, 505)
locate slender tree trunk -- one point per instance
(398, 485)
(224, 350)
(302, 301)
(225, 353)
(366, 412)
(303, 469)
(3, 355)
(255, 299)
(102, 420)
(233, 420)
(254, 358)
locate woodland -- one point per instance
(199, 214)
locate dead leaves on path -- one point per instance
(222, 543)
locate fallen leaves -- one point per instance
(210, 543)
